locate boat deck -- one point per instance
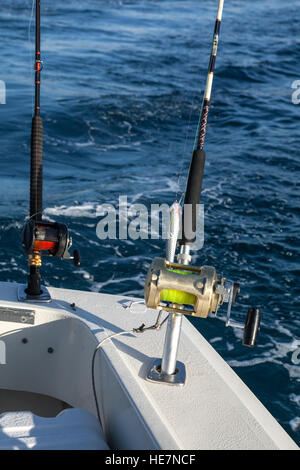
(213, 410)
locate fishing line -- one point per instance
(198, 145)
(180, 172)
(141, 329)
(196, 170)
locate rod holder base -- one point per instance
(24, 297)
(154, 374)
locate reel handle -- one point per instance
(252, 323)
(251, 328)
(76, 258)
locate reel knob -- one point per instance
(76, 258)
(251, 328)
(252, 323)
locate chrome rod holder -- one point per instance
(44, 296)
(168, 370)
(168, 365)
(155, 374)
(172, 337)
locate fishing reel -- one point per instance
(196, 291)
(48, 239)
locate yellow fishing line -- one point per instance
(177, 296)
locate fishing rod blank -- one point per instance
(36, 170)
(196, 171)
(36, 164)
(40, 238)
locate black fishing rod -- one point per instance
(36, 170)
(196, 171)
(179, 288)
(40, 238)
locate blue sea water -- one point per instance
(121, 91)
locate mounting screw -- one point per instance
(199, 285)
(50, 350)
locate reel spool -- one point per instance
(48, 239)
(195, 291)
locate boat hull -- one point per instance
(53, 357)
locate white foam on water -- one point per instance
(85, 144)
(215, 340)
(98, 286)
(293, 370)
(87, 209)
(12, 225)
(85, 274)
(295, 398)
(278, 351)
(295, 423)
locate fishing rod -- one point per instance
(179, 288)
(40, 238)
(36, 170)
(196, 171)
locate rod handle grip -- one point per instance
(36, 168)
(192, 197)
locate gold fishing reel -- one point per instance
(182, 289)
(196, 291)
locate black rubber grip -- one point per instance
(251, 327)
(192, 197)
(36, 169)
(77, 258)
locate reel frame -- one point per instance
(200, 282)
(209, 293)
(43, 239)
